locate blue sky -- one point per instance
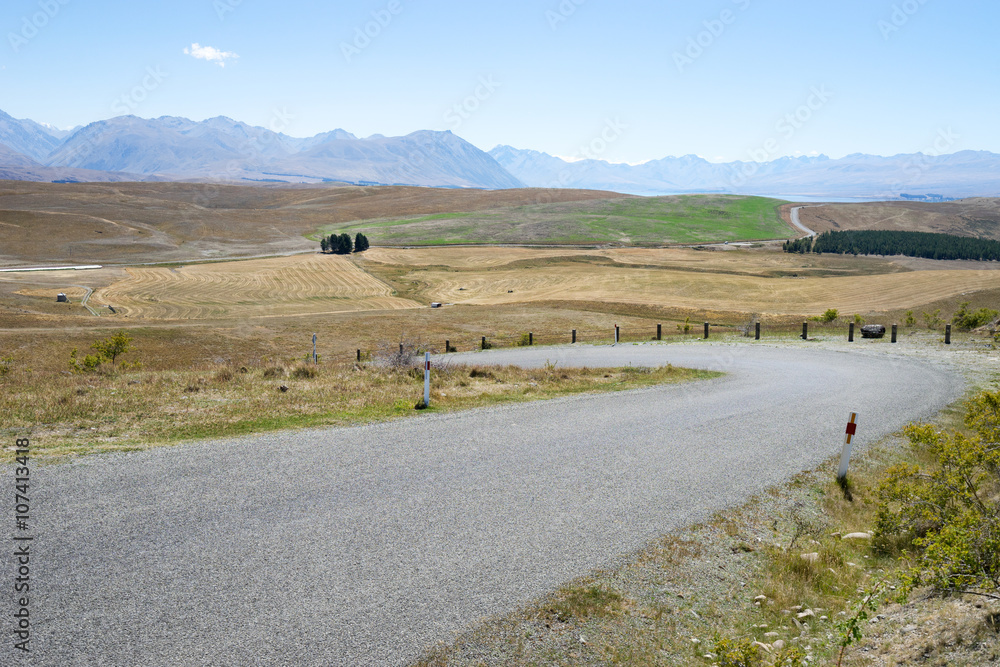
(627, 81)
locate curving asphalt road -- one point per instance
(363, 546)
(794, 215)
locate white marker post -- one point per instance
(845, 457)
(315, 360)
(427, 379)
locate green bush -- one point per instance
(830, 315)
(949, 512)
(973, 319)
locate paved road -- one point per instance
(798, 223)
(362, 546)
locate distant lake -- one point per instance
(792, 198)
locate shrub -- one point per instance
(305, 371)
(910, 319)
(830, 315)
(524, 341)
(932, 320)
(951, 511)
(972, 319)
(274, 372)
(114, 346)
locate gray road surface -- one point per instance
(794, 215)
(362, 546)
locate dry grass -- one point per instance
(75, 414)
(88, 223)
(978, 217)
(594, 277)
(302, 284)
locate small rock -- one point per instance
(909, 628)
(824, 618)
(695, 641)
(835, 536)
(765, 647)
(583, 640)
(796, 608)
(810, 558)
(778, 645)
(760, 598)
(857, 536)
(282, 389)
(808, 613)
(771, 635)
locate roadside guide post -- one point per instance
(427, 379)
(845, 457)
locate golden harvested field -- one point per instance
(733, 281)
(285, 286)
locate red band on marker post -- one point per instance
(852, 429)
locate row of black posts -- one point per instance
(659, 336)
(850, 332)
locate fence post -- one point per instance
(359, 355)
(447, 346)
(531, 338)
(947, 334)
(400, 349)
(895, 328)
(315, 359)
(850, 332)
(659, 332)
(574, 335)
(805, 331)
(617, 333)
(484, 343)
(706, 330)
(757, 332)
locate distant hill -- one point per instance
(28, 137)
(963, 174)
(225, 149)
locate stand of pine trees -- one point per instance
(341, 244)
(910, 244)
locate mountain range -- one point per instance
(128, 148)
(912, 176)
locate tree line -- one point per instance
(341, 244)
(911, 244)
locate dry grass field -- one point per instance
(978, 217)
(734, 281)
(275, 287)
(130, 223)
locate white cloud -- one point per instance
(210, 53)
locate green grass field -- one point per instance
(641, 221)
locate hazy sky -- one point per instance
(624, 81)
